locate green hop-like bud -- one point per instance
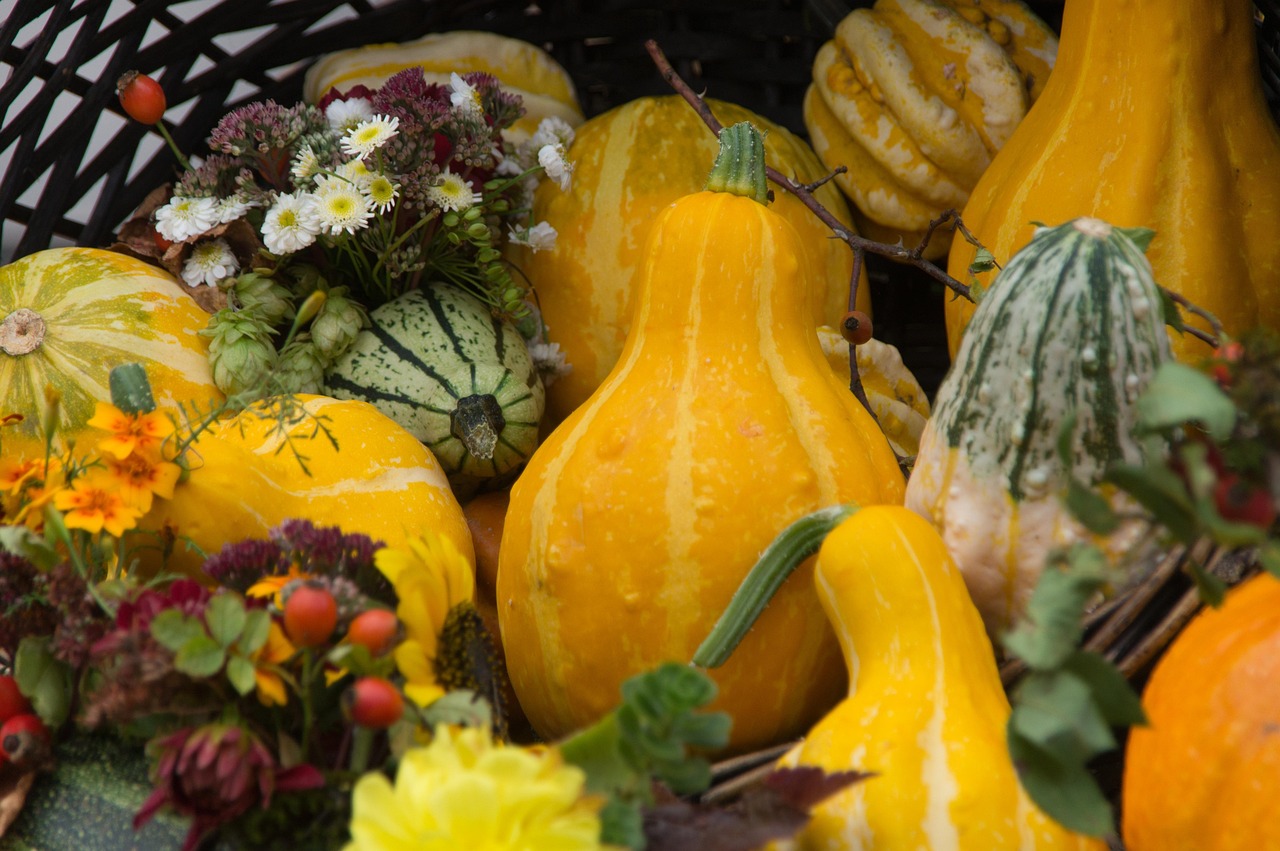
(264, 296)
(240, 351)
(301, 367)
(337, 324)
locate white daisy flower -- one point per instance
(552, 130)
(369, 135)
(232, 207)
(306, 164)
(464, 95)
(211, 262)
(453, 193)
(355, 172)
(343, 115)
(549, 361)
(341, 207)
(290, 225)
(540, 237)
(183, 218)
(551, 158)
(382, 192)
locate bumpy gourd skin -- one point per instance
(636, 520)
(1153, 117)
(1203, 775)
(925, 711)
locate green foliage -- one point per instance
(648, 738)
(47, 681)
(226, 637)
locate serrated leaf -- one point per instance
(47, 681)
(240, 674)
(1115, 697)
(1141, 236)
(1050, 629)
(1090, 508)
(1180, 394)
(226, 618)
(173, 629)
(1065, 791)
(983, 261)
(200, 657)
(257, 629)
(1056, 711)
(1212, 589)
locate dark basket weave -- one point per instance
(59, 60)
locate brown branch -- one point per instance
(1184, 303)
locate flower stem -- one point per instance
(173, 146)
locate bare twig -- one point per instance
(1183, 303)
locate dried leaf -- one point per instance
(14, 786)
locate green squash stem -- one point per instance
(788, 550)
(740, 166)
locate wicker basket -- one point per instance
(74, 168)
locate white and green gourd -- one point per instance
(460, 379)
(1068, 336)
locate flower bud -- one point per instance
(264, 296)
(336, 326)
(301, 367)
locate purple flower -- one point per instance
(216, 773)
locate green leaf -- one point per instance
(1115, 697)
(21, 541)
(1090, 508)
(1065, 791)
(1180, 394)
(173, 629)
(983, 261)
(1141, 236)
(1159, 490)
(1050, 629)
(1170, 311)
(1212, 589)
(462, 707)
(130, 389)
(622, 824)
(200, 657)
(1269, 557)
(257, 628)
(241, 675)
(226, 618)
(47, 681)
(1056, 711)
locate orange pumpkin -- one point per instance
(1206, 772)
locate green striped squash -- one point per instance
(69, 315)
(439, 363)
(1073, 328)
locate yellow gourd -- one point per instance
(926, 711)
(636, 519)
(378, 480)
(1154, 117)
(544, 86)
(630, 163)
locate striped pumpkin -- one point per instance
(926, 711)
(69, 315)
(638, 517)
(363, 473)
(525, 69)
(439, 363)
(1072, 328)
(631, 163)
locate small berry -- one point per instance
(24, 740)
(373, 702)
(1224, 357)
(856, 327)
(141, 96)
(377, 630)
(310, 615)
(1241, 502)
(12, 701)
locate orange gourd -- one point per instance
(1206, 772)
(1153, 117)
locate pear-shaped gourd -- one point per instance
(925, 712)
(636, 519)
(1153, 117)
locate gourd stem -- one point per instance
(787, 551)
(739, 167)
(478, 422)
